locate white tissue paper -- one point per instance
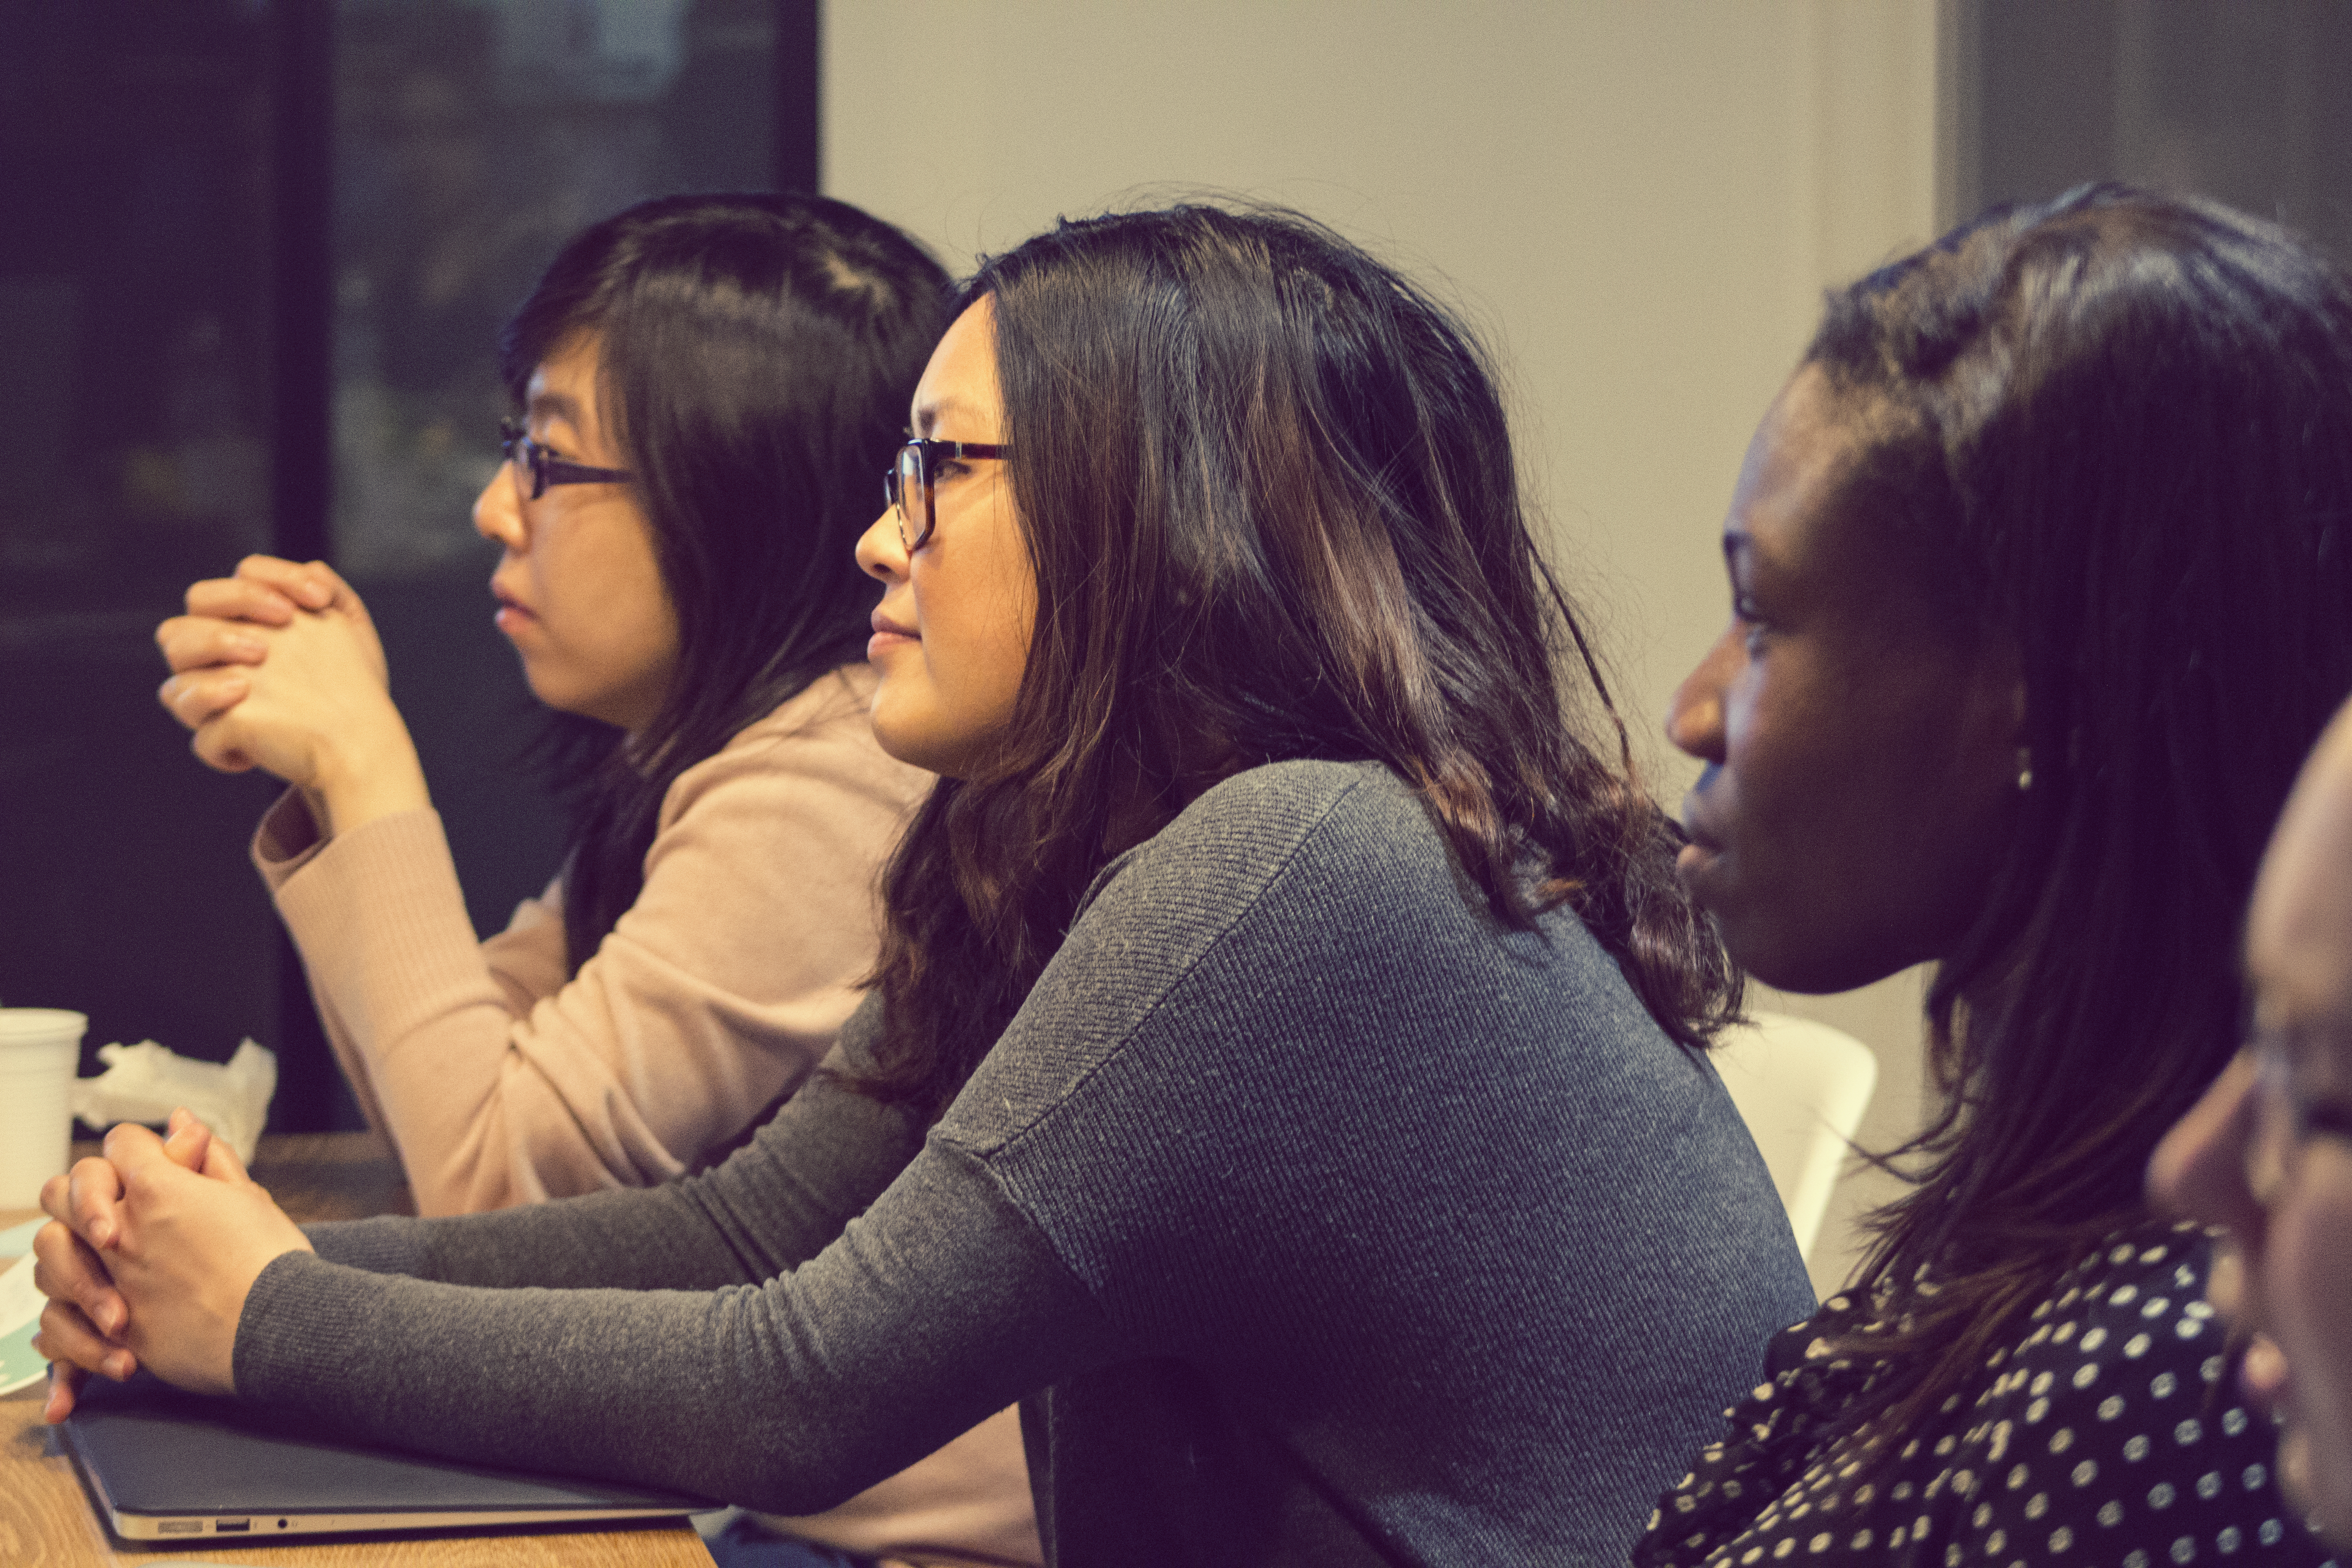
(145, 1082)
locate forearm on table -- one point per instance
(638, 1239)
(817, 1164)
(940, 1307)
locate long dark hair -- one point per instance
(757, 355)
(1268, 495)
(2116, 431)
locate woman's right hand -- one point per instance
(279, 667)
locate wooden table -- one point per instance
(46, 1521)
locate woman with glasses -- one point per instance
(704, 385)
(2266, 1156)
(2039, 579)
(1285, 1071)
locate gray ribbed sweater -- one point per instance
(1312, 1219)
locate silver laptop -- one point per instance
(167, 1466)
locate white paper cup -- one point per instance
(39, 1049)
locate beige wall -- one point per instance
(1636, 203)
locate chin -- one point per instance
(912, 744)
(1763, 947)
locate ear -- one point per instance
(1999, 711)
(2005, 674)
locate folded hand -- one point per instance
(279, 667)
(150, 1261)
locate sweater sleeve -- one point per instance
(712, 997)
(936, 1307)
(777, 1203)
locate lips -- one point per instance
(1696, 833)
(888, 635)
(512, 613)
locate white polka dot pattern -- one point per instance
(2106, 1436)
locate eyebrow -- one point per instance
(927, 415)
(554, 405)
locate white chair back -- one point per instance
(1801, 1087)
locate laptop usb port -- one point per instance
(232, 1526)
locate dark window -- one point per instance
(255, 262)
(2243, 102)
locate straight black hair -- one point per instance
(1268, 490)
(757, 353)
(2114, 429)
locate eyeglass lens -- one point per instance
(528, 460)
(2278, 1124)
(911, 492)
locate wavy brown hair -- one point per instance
(2114, 429)
(1269, 494)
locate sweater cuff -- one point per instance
(287, 840)
(387, 1245)
(295, 1320)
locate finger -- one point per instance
(310, 583)
(192, 642)
(64, 1383)
(221, 1161)
(133, 1150)
(56, 1197)
(242, 599)
(67, 1336)
(216, 745)
(65, 1270)
(198, 697)
(186, 1140)
(93, 1202)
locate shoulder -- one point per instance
(2111, 1420)
(2123, 1353)
(1247, 833)
(818, 743)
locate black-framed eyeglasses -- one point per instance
(2285, 1119)
(530, 457)
(906, 484)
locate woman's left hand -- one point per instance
(184, 1253)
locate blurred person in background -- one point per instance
(2267, 1155)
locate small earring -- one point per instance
(2024, 768)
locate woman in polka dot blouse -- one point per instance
(2036, 596)
(2107, 1431)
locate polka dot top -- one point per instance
(2105, 1437)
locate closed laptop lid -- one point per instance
(150, 1450)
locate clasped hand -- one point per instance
(148, 1258)
(279, 667)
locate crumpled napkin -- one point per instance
(145, 1081)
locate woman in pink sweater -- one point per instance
(706, 386)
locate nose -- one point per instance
(1695, 720)
(2199, 1170)
(879, 553)
(498, 511)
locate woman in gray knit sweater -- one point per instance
(1285, 1072)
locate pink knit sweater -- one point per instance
(718, 989)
